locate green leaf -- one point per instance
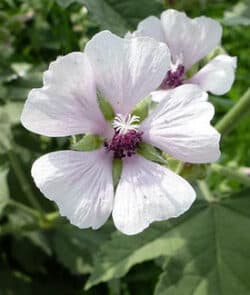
(89, 142)
(239, 15)
(13, 282)
(9, 116)
(151, 153)
(208, 250)
(31, 257)
(117, 256)
(118, 16)
(10, 113)
(65, 3)
(4, 189)
(21, 68)
(39, 239)
(75, 247)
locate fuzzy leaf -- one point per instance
(118, 16)
(74, 247)
(207, 247)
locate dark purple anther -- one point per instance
(173, 78)
(124, 144)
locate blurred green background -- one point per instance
(205, 252)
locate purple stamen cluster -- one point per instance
(173, 78)
(124, 145)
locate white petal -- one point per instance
(79, 182)
(180, 126)
(151, 27)
(217, 76)
(190, 39)
(67, 103)
(158, 95)
(148, 192)
(127, 70)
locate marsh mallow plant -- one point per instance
(189, 41)
(123, 72)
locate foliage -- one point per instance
(204, 252)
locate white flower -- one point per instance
(190, 40)
(124, 71)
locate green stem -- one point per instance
(207, 194)
(180, 167)
(231, 173)
(239, 110)
(24, 183)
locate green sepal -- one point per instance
(194, 171)
(173, 164)
(151, 153)
(89, 142)
(116, 171)
(105, 107)
(142, 108)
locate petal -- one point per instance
(127, 70)
(189, 39)
(148, 192)
(217, 76)
(79, 182)
(67, 102)
(158, 95)
(151, 27)
(180, 126)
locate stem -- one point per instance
(16, 165)
(231, 173)
(179, 167)
(206, 191)
(239, 110)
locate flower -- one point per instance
(124, 71)
(190, 40)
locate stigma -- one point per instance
(126, 138)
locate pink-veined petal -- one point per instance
(217, 76)
(148, 192)
(67, 102)
(79, 182)
(127, 70)
(180, 125)
(189, 39)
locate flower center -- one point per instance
(174, 77)
(126, 138)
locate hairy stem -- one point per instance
(207, 194)
(239, 110)
(180, 167)
(232, 173)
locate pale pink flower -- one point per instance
(124, 72)
(190, 40)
